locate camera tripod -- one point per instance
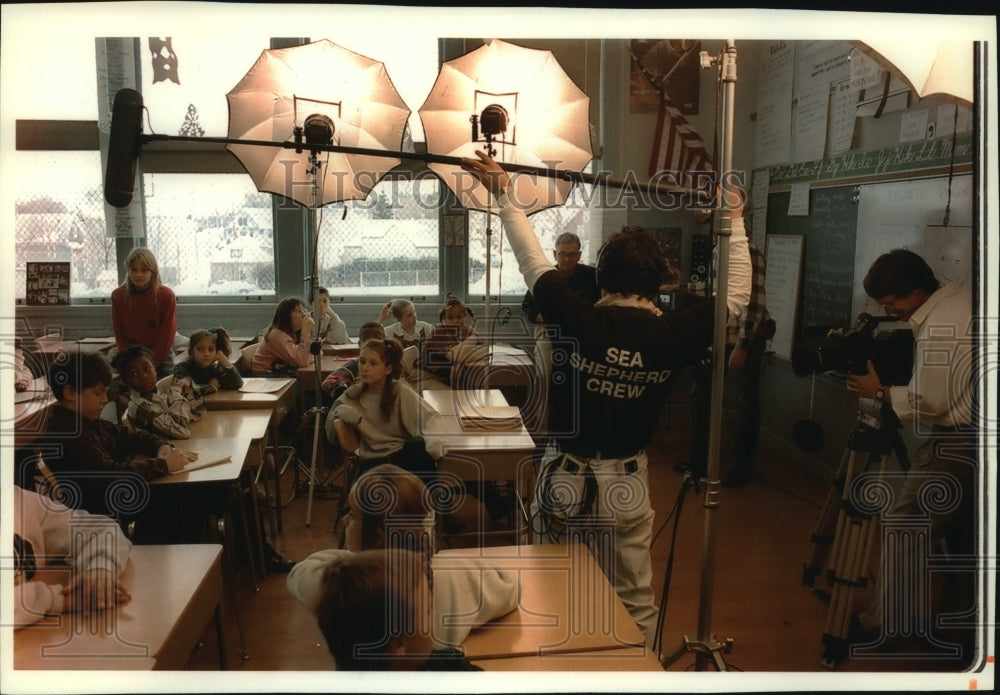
(845, 532)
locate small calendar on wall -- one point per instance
(47, 283)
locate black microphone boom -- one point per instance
(123, 147)
(127, 138)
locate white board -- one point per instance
(781, 287)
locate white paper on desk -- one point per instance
(262, 385)
(206, 457)
(110, 340)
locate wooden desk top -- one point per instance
(626, 659)
(566, 605)
(213, 447)
(247, 423)
(448, 428)
(329, 362)
(175, 590)
(454, 401)
(52, 346)
(236, 400)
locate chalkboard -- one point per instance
(781, 289)
(830, 230)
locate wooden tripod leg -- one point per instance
(826, 526)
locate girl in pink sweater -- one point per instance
(285, 346)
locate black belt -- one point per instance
(571, 462)
(591, 454)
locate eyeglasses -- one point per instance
(568, 254)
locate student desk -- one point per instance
(277, 403)
(50, 346)
(566, 605)
(480, 454)
(175, 591)
(500, 453)
(329, 362)
(238, 434)
(280, 400)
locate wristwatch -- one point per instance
(880, 392)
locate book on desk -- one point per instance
(492, 417)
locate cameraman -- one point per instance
(940, 394)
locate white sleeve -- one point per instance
(740, 270)
(531, 260)
(305, 580)
(87, 541)
(34, 600)
(337, 331)
(467, 597)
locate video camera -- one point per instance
(849, 351)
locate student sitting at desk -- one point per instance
(463, 598)
(91, 547)
(387, 414)
(330, 328)
(208, 365)
(285, 345)
(166, 409)
(450, 344)
(337, 381)
(408, 329)
(95, 454)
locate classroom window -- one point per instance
(387, 244)
(59, 216)
(212, 234)
(577, 216)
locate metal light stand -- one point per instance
(705, 645)
(316, 412)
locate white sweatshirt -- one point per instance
(46, 532)
(466, 594)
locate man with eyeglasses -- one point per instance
(582, 279)
(938, 494)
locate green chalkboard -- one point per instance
(830, 230)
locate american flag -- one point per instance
(677, 147)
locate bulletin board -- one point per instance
(47, 284)
(783, 279)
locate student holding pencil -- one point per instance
(105, 464)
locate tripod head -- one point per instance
(877, 432)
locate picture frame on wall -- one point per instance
(47, 284)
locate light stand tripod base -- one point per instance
(703, 649)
